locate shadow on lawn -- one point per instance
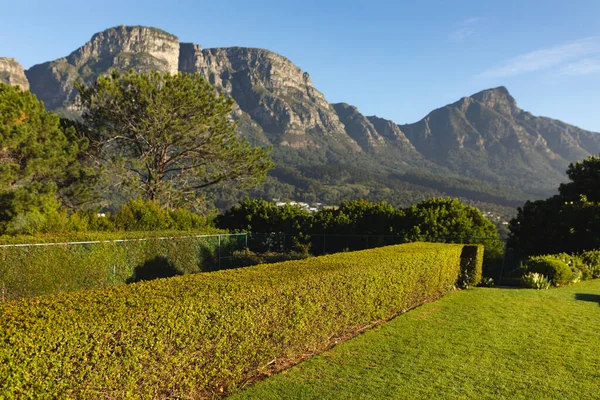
(594, 298)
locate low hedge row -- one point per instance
(199, 335)
(40, 270)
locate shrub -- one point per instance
(486, 282)
(471, 266)
(247, 258)
(592, 260)
(557, 271)
(533, 280)
(580, 270)
(195, 336)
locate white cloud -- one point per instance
(545, 59)
(580, 68)
(466, 29)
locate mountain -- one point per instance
(483, 148)
(486, 136)
(121, 48)
(12, 73)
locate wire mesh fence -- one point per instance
(44, 268)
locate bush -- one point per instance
(486, 282)
(247, 258)
(557, 271)
(38, 270)
(471, 266)
(592, 260)
(580, 270)
(533, 280)
(195, 336)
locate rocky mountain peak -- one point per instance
(497, 99)
(121, 45)
(12, 73)
(140, 48)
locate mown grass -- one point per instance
(476, 344)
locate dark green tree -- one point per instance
(451, 221)
(585, 180)
(172, 135)
(41, 167)
(568, 222)
(360, 217)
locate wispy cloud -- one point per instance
(553, 57)
(580, 68)
(466, 29)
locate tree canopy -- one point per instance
(40, 162)
(568, 222)
(172, 135)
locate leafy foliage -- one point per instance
(192, 336)
(441, 220)
(171, 134)
(534, 280)
(40, 165)
(471, 266)
(557, 271)
(568, 222)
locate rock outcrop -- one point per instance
(272, 91)
(12, 73)
(121, 48)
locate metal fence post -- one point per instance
(219, 252)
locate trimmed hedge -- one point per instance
(41, 270)
(199, 335)
(471, 265)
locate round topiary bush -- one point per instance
(557, 271)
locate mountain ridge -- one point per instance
(484, 138)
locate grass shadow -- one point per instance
(594, 298)
(158, 267)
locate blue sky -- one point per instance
(395, 59)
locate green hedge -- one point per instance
(195, 336)
(40, 270)
(471, 265)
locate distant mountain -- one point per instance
(486, 136)
(482, 148)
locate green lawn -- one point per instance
(481, 343)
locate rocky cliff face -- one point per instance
(121, 48)
(273, 92)
(12, 73)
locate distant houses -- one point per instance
(305, 206)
